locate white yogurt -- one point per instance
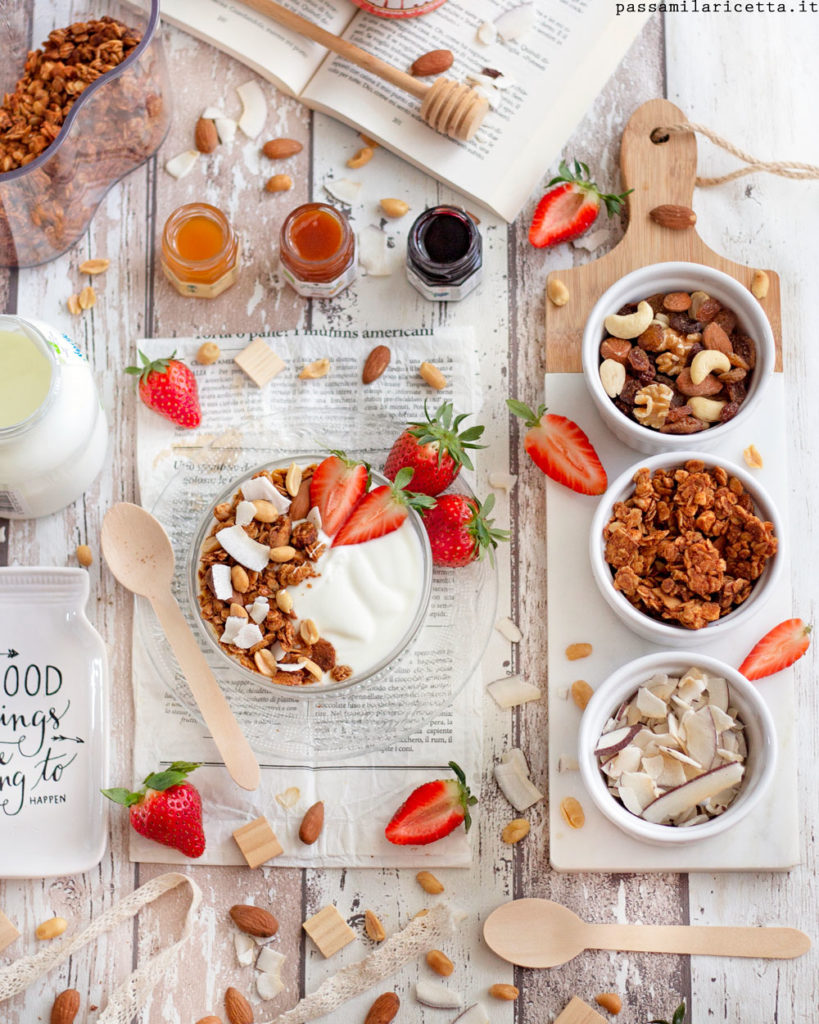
(366, 597)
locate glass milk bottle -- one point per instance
(53, 431)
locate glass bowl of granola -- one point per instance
(285, 606)
(684, 547)
(674, 350)
(675, 748)
(86, 101)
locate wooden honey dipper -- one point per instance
(449, 107)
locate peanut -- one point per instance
(516, 830)
(87, 297)
(572, 812)
(265, 662)
(363, 156)
(610, 1001)
(292, 480)
(581, 693)
(312, 668)
(284, 601)
(239, 579)
(238, 611)
(557, 292)
(84, 555)
(265, 511)
(508, 992)
(760, 283)
(373, 927)
(279, 183)
(429, 883)
(51, 928)
(73, 303)
(208, 353)
(575, 651)
(314, 370)
(752, 457)
(440, 962)
(309, 631)
(432, 375)
(96, 266)
(394, 208)
(283, 553)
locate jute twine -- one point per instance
(784, 168)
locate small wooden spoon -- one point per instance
(139, 554)
(540, 933)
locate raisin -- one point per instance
(736, 392)
(629, 391)
(638, 361)
(652, 338)
(628, 309)
(745, 349)
(729, 411)
(684, 324)
(727, 320)
(656, 302)
(687, 425)
(677, 412)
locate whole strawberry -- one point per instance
(570, 207)
(167, 809)
(460, 530)
(434, 449)
(169, 387)
(432, 811)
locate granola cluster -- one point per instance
(53, 78)
(686, 546)
(259, 603)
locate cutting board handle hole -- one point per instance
(658, 136)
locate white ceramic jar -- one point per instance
(53, 430)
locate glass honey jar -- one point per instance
(200, 251)
(317, 251)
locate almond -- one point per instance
(383, 1009)
(375, 364)
(312, 823)
(254, 920)
(440, 963)
(280, 149)
(432, 63)
(209, 1020)
(677, 218)
(300, 505)
(429, 883)
(237, 1008)
(279, 183)
(96, 266)
(205, 136)
(66, 1007)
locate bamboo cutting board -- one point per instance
(659, 173)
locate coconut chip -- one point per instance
(502, 481)
(211, 114)
(512, 776)
(515, 22)
(245, 511)
(254, 109)
(509, 629)
(226, 129)
(511, 691)
(183, 163)
(259, 610)
(289, 798)
(261, 489)
(342, 189)
(247, 636)
(375, 254)
(567, 764)
(593, 240)
(487, 33)
(245, 948)
(246, 551)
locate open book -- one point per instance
(556, 70)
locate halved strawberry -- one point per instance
(381, 511)
(559, 448)
(785, 644)
(336, 487)
(460, 530)
(434, 449)
(432, 811)
(571, 207)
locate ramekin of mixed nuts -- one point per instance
(676, 748)
(675, 350)
(685, 545)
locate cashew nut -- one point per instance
(631, 325)
(557, 292)
(707, 361)
(612, 377)
(706, 409)
(760, 283)
(697, 299)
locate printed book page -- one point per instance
(362, 791)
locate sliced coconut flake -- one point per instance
(511, 691)
(650, 705)
(245, 511)
(502, 481)
(700, 736)
(245, 948)
(567, 764)
(226, 129)
(627, 760)
(474, 1014)
(259, 610)
(183, 163)
(512, 776)
(375, 254)
(260, 488)
(491, 95)
(270, 961)
(430, 993)
(563, 693)
(722, 721)
(653, 766)
(683, 798)
(678, 755)
(314, 517)
(630, 800)
(247, 636)
(515, 22)
(661, 686)
(254, 109)
(219, 582)
(211, 113)
(343, 189)
(268, 986)
(696, 819)
(641, 785)
(287, 666)
(289, 798)
(478, 78)
(718, 692)
(233, 623)
(509, 630)
(673, 773)
(487, 33)
(614, 741)
(593, 240)
(246, 551)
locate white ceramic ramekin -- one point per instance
(674, 277)
(760, 735)
(669, 633)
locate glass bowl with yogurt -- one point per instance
(285, 608)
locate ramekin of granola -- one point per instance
(304, 610)
(674, 350)
(684, 544)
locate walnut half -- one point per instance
(657, 401)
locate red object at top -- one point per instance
(398, 8)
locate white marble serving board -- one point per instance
(768, 839)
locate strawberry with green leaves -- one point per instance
(167, 809)
(336, 487)
(778, 649)
(678, 1017)
(382, 510)
(435, 449)
(559, 448)
(432, 811)
(460, 530)
(168, 387)
(570, 207)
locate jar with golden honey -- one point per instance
(200, 251)
(317, 251)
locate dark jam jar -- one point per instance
(444, 254)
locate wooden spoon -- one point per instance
(139, 554)
(540, 933)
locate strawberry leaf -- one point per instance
(172, 776)
(442, 429)
(122, 796)
(525, 412)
